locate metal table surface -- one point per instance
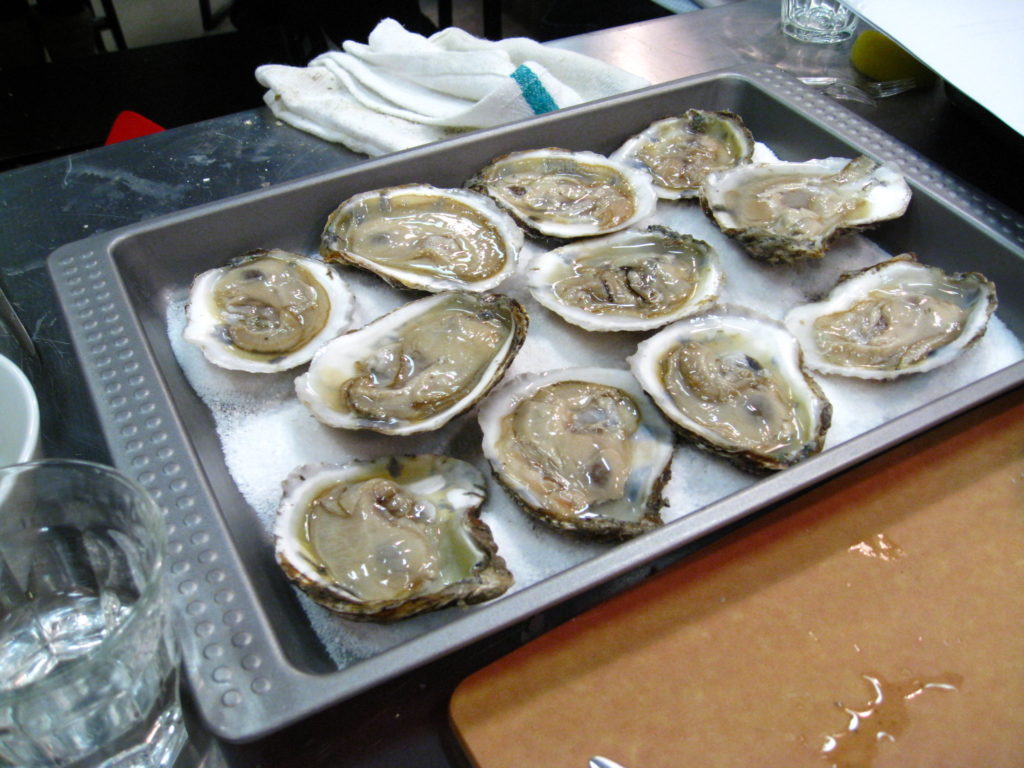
(44, 206)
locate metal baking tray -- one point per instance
(253, 660)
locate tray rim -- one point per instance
(222, 660)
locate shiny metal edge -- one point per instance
(243, 683)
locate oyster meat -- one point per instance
(388, 538)
(894, 318)
(581, 449)
(424, 237)
(564, 194)
(733, 382)
(679, 152)
(782, 211)
(416, 368)
(267, 311)
(633, 280)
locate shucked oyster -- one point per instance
(582, 449)
(424, 237)
(733, 382)
(629, 281)
(416, 368)
(388, 538)
(788, 211)
(567, 194)
(894, 318)
(679, 152)
(267, 311)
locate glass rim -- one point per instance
(111, 644)
(24, 395)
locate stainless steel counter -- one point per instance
(49, 204)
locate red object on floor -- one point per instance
(131, 125)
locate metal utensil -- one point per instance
(603, 762)
(18, 330)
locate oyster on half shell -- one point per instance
(733, 382)
(782, 211)
(565, 194)
(425, 237)
(267, 311)
(415, 368)
(894, 318)
(388, 538)
(632, 280)
(679, 152)
(581, 449)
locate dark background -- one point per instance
(66, 73)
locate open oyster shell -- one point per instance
(565, 194)
(417, 367)
(679, 152)
(894, 318)
(633, 280)
(267, 311)
(388, 538)
(782, 211)
(581, 449)
(424, 237)
(733, 382)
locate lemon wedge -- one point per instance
(876, 56)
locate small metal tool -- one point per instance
(18, 330)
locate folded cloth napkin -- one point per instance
(401, 89)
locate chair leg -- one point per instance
(492, 19)
(444, 14)
(210, 19)
(110, 21)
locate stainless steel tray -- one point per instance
(253, 660)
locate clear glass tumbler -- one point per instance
(818, 21)
(88, 664)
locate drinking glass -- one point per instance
(818, 21)
(88, 664)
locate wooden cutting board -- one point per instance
(890, 598)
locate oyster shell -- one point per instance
(416, 368)
(733, 382)
(266, 311)
(565, 194)
(581, 449)
(388, 538)
(679, 152)
(633, 280)
(894, 318)
(789, 211)
(424, 237)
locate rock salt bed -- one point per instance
(247, 408)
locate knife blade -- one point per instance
(603, 762)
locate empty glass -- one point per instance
(818, 21)
(88, 666)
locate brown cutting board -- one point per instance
(877, 620)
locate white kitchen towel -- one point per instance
(401, 89)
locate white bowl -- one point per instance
(19, 416)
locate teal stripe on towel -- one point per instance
(534, 92)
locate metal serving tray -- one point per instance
(253, 660)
